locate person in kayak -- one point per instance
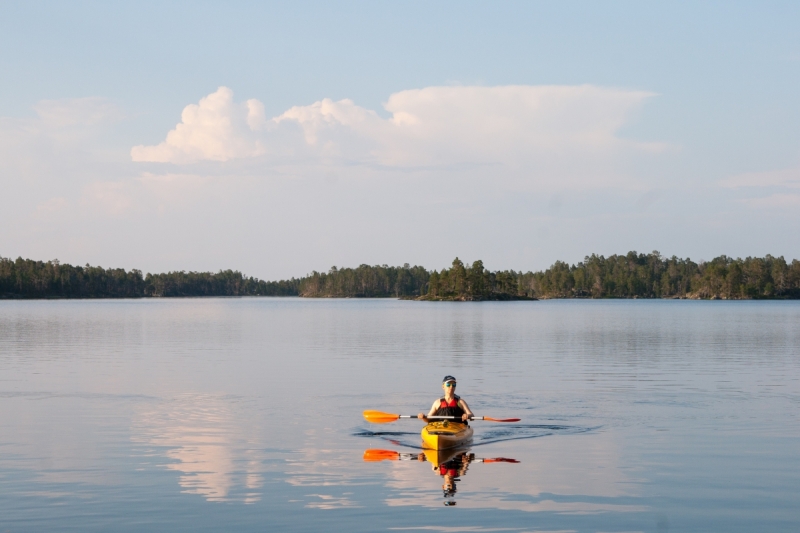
(450, 405)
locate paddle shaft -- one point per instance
(432, 417)
(415, 457)
(379, 417)
(447, 417)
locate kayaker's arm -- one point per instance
(467, 413)
(434, 407)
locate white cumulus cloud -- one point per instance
(327, 115)
(215, 129)
(510, 125)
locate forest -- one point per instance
(632, 275)
(366, 282)
(25, 278)
(654, 276)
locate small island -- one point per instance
(472, 284)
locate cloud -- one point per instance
(52, 206)
(507, 124)
(780, 182)
(789, 178)
(215, 129)
(107, 197)
(60, 143)
(77, 112)
(516, 126)
(775, 201)
(328, 116)
(64, 121)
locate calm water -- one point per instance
(245, 415)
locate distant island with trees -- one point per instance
(632, 275)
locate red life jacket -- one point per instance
(450, 408)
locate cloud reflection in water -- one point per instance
(209, 442)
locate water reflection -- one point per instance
(326, 471)
(449, 465)
(570, 472)
(208, 443)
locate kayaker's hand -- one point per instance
(421, 416)
(464, 417)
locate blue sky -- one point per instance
(669, 126)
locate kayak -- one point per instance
(443, 434)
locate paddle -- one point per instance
(390, 455)
(379, 417)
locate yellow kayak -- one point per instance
(443, 434)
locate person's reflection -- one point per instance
(451, 471)
(451, 467)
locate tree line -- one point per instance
(654, 276)
(365, 282)
(459, 282)
(25, 278)
(633, 275)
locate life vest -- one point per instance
(450, 408)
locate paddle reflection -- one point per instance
(449, 465)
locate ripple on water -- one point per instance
(509, 432)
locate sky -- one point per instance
(281, 138)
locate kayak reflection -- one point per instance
(450, 464)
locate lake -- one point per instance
(244, 414)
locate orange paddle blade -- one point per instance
(500, 460)
(501, 419)
(381, 455)
(379, 417)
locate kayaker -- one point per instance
(450, 405)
